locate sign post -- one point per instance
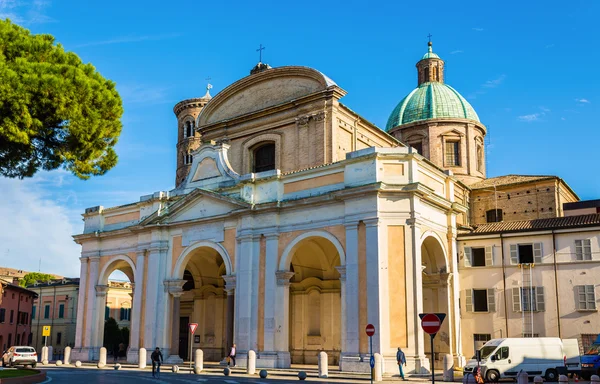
(370, 330)
(46, 333)
(193, 327)
(431, 323)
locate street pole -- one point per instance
(432, 361)
(191, 357)
(371, 351)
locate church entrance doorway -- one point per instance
(436, 294)
(203, 301)
(315, 302)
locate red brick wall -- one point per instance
(15, 300)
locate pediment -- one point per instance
(196, 205)
(210, 169)
(452, 132)
(263, 90)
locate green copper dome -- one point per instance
(431, 100)
(430, 54)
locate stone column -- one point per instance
(100, 299)
(271, 261)
(351, 294)
(230, 289)
(175, 289)
(246, 314)
(377, 284)
(343, 319)
(151, 291)
(80, 302)
(136, 308)
(90, 298)
(414, 284)
(282, 318)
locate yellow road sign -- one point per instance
(46, 330)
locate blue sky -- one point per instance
(527, 67)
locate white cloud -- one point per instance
(545, 110)
(455, 52)
(494, 82)
(583, 101)
(478, 29)
(129, 39)
(25, 12)
(530, 118)
(35, 226)
(138, 93)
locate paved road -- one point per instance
(96, 376)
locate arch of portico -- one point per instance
(310, 283)
(201, 291)
(437, 291)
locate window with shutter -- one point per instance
(478, 257)
(480, 300)
(491, 300)
(516, 295)
(469, 300)
(489, 255)
(468, 259)
(514, 254)
(540, 305)
(583, 249)
(586, 298)
(537, 253)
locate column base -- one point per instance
(354, 362)
(419, 365)
(85, 354)
(174, 359)
(273, 359)
(133, 355)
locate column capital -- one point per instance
(101, 290)
(283, 277)
(229, 283)
(351, 225)
(158, 246)
(372, 222)
(141, 252)
(272, 236)
(342, 270)
(174, 287)
(84, 260)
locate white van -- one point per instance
(505, 358)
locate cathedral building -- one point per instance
(295, 222)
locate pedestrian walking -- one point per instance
(157, 359)
(232, 356)
(401, 359)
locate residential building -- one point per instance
(16, 305)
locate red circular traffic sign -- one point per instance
(370, 329)
(431, 323)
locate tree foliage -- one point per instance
(32, 277)
(55, 111)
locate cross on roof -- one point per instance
(429, 36)
(259, 50)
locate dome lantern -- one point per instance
(430, 68)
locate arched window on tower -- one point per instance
(479, 158)
(435, 73)
(426, 74)
(264, 158)
(189, 129)
(187, 158)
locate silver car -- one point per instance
(20, 355)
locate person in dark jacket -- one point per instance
(401, 359)
(157, 359)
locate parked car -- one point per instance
(505, 358)
(19, 355)
(590, 361)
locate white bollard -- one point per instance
(50, 353)
(102, 359)
(595, 379)
(251, 366)
(44, 356)
(67, 355)
(448, 368)
(538, 379)
(198, 361)
(78, 364)
(142, 359)
(378, 374)
(323, 365)
(563, 379)
(522, 377)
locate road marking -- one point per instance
(48, 379)
(231, 382)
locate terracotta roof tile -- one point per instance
(538, 224)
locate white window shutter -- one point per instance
(590, 296)
(537, 252)
(579, 249)
(489, 255)
(581, 298)
(587, 250)
(516, 294)
(491, 300)
(468, 257)
(514, 254)
(469, 300)
(539, 299)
